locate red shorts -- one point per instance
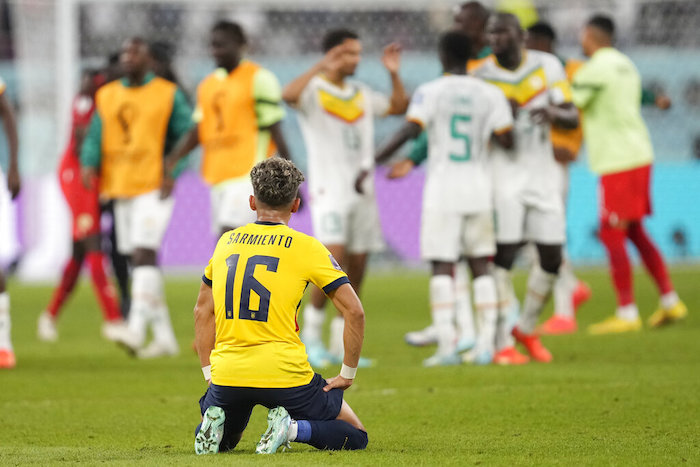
(84, 204)
(625, 196)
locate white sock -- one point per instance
(539, 287)
(163, 332)
(442, 307)
(313, 323)
(669, 300)
(628, 312)
(293, 430)
(564, 288)
(506, 304)
(335, 345)
(5, 322)
(464, 315)
(146, 293)
(486, 304)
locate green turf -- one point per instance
(628, 399)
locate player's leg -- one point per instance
(7, 354)
(120, 263)
(225, 415)
(309, 415)
(464, 313)
(510, 222)
(671, 307)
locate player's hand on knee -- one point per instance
(338, 382)
(401, 169)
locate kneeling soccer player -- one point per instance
(247, 336)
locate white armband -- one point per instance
(348, 372)
(206, 371)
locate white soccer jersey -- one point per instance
(460, 113)
(338, 129)
(529, 171)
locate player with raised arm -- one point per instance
(125, 146)
(607, 89)
(527, 179)
(238, 123)
(85, 209)
(461, 116)
(9, 123)
(246, 331)
(336, 117)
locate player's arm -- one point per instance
(9, 123)
(292, 92)
(504, 138)
(416, 156)
(204, 324)
(179, 127)
(587, 83)
(91, 152)
(563, 115)
(657, 98)
(348, 304)
(268, 108)
(391, 59)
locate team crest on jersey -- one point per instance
(349, 110)
(335, 263)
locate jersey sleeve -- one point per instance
(91, 151)
(208, 277)
(380, 103)
(419, 150)
(267, 93)
(324, 271)
(501, 117)
(420, 109)
(557, 81)
(588, 80)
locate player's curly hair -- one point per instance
(276, 181)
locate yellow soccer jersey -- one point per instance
(258, 274)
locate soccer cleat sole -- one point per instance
(211, 432)
(278, 421)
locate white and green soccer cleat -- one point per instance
(210, 432)
(278, 421)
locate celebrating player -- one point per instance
(7, 354)
(607, 90)
(527, 179)
(461, 115)
(336, 119)
(85, 209)
(247, 336)
(470, 18)
(238, 123)
(124, 145)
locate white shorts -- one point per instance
(230, 205)
(518, 221)
(449, 236)
(353, 224)
(141, 221)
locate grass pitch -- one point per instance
(612, 400)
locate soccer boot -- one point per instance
(533, 345)
(46, 328)
(114, 330)
(438, 359)
(278, 421)
(510, 356)
(465, 343)
(318, 355)
(557, 325)
(211, 431)
(582, 293)
(664, 316)
(615, 325)
(478, 356)
(426, 336)
(7, 359)
(158, 349)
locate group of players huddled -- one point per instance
(496, 131)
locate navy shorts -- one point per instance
(308, 402)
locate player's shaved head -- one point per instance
(455, 50)
(599, 32)
(471, 18)
(276, 182)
